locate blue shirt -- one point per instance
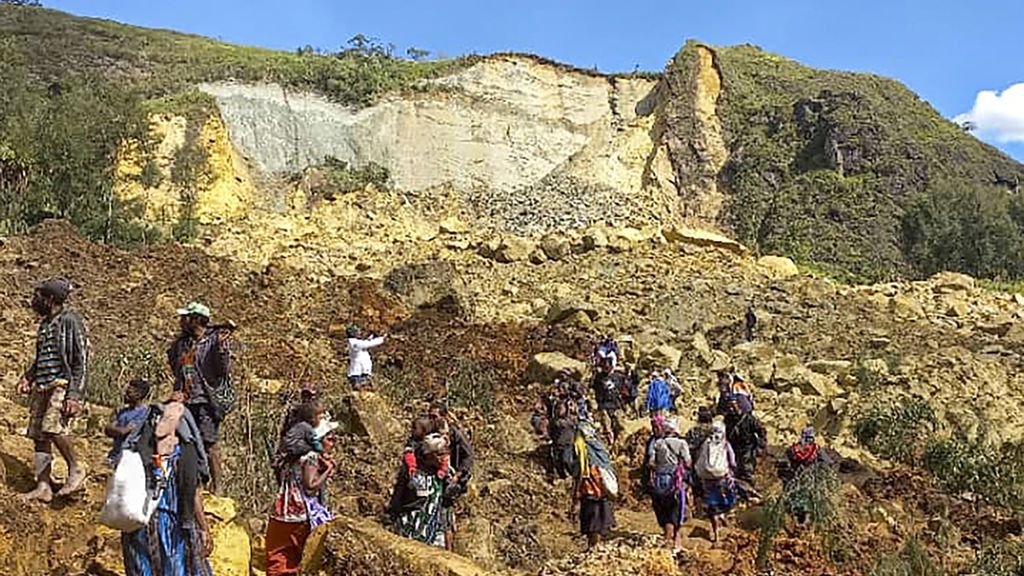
(129, 415)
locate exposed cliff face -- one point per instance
(533, 145)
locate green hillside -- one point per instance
(856, 174)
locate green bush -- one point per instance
(898, 430)
(813, 496)
(999, 559)
(992, 474)
(912, 560)
(110, 371)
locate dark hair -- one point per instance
(704, 415)
(142, 386)
(441, 406)
(203, 320)
(306, 411)
(425, 422)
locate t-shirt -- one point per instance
(290, 503)
(49, 366)
(129, 415)
(667, 452)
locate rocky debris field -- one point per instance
(489, 332)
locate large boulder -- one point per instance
(543, 367)
(838, 367)
(563, 310)
(231, 547)
(556, 246)
(703, 238)
(948, 282)
(778, 266)
(434, 284)
(367, 415)
(663, 356)
(906, 307)
(514, 249)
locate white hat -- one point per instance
(325, 427)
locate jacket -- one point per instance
(359, 361)
(212, 361)
(73, 348)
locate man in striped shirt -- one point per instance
(55, 383)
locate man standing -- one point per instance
(461, 468)
(747, 436)
(55, 383)
(200, 359)
(360, 364)
(609, 403)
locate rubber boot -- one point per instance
(43, 492)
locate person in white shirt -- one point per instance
(360, 365)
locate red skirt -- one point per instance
(285, 541)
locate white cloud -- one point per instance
(998, 116)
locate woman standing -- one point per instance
(416, 504)
(299, 505)
(665, 467)
(597, 516)
(715, 467)
(177, 540)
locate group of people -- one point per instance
(436, 467)
(176, 440)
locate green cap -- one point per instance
(352, 330)
(194, 308)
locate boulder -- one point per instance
(702, 350)
(703, 238)
(838, 367)
(452, 226)
(594, 239)
(543, 367)
(906, 307)
(231, 547)
(561, 310)
(1015, 334)
(956, 307)
(513, 249)
(556, 246)
(433, 284)
(663, 356)
(947, 282)
(778, 266)
(367, 415)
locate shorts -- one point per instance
(359, 381)
(208, 420)
(46, 417)
(667, 510)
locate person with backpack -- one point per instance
(299, 506)
(665, 470)
(460, 459)
(417, 500)
(594, 484)
(609, 402)
(606, 351)
(801, 458)
(733, 387)
(177, 539)
(747, 436)
(715, 467)
(55, 384)
(659, 396)
(562, 434)
(695, 438)
(200, 360)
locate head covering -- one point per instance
(434, 444)
(195, 308)
(325, 427)
(57, 288)
(309, 390)
(737, 378)
(671, 426)
(352, 331)
(658, 424)
(808, 436)
(717, 430)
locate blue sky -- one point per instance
(946, 51)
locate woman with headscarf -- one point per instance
(590, 487)
(299, 506)
(417, 502)
(177, 540)
(666, 462)
(801, 457)
(716, 468)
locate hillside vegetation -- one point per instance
(855, 173)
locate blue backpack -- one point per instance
(659, 397)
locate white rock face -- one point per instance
(538, 146)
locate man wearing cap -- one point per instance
(360, 364)
(200, 358)
(55, 383)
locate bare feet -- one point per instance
(42, 493)
(76, 477)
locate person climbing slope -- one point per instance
(747, 436)
(593, 484)
(55, 383)
(665, 471)
(715, 467)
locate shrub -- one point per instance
(999, 559)
(898, 430)
(811, 496)
(912, 560)
(111, 370)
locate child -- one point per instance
(300, 438)
(422, 427)
(128, 418)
